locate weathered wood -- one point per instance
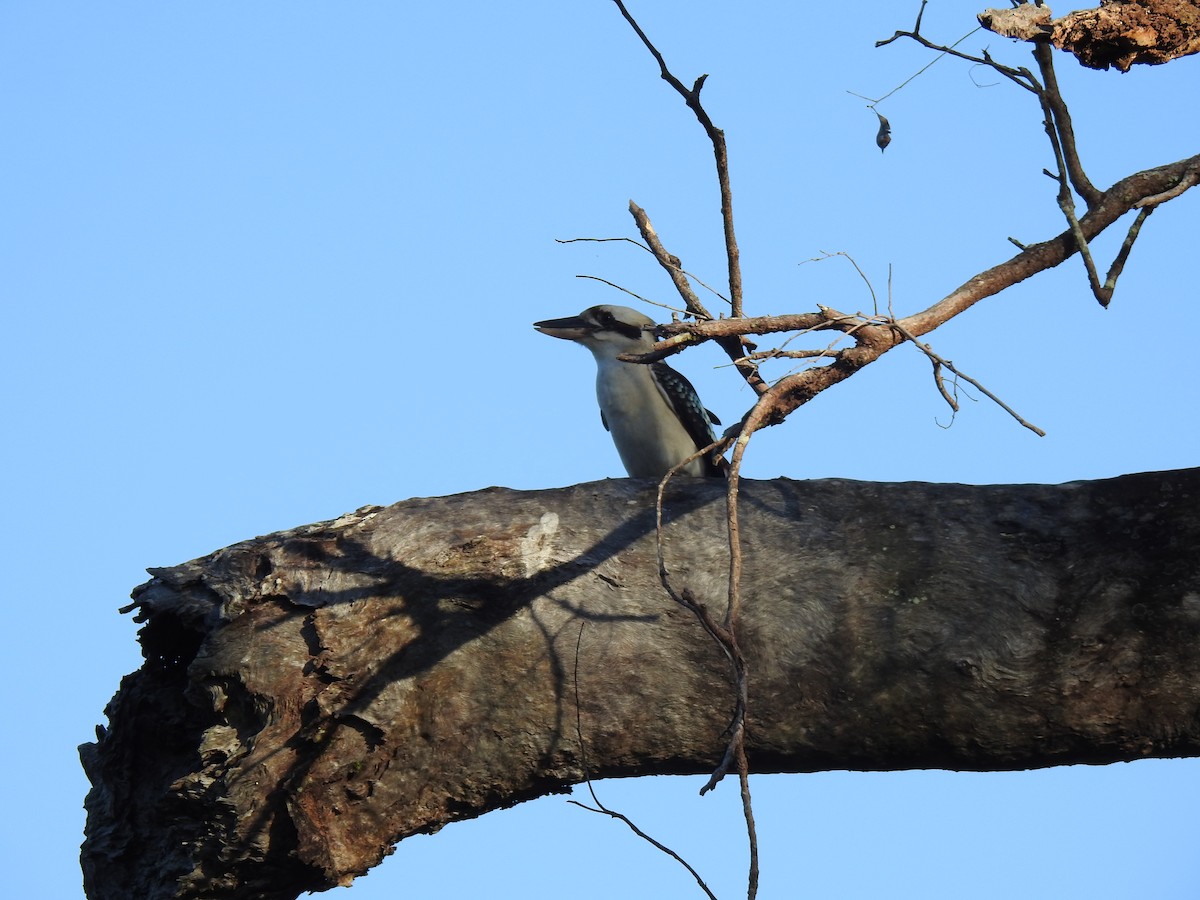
(311, 697)
(1120, 33)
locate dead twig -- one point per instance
(732, 345)
(872, 103)
(626, 290)
(1019, 76)
(1060, 129)
(1057, 112)
(1061, 132)
(826, 255)
(716, 136)
(600, 807)
(628, 240)
(670, 263)
(940, 363)
(1118, 263)
(725, 635)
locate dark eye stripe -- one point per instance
(606, 321)
(630, 331)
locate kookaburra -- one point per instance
(653, 413)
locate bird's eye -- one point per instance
(606, 318)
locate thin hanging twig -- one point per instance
(600, 807)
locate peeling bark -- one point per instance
(1120, 33)
(311, 697)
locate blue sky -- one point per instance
(265, 263)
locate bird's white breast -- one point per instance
(649, 436)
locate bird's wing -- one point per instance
(683, 398)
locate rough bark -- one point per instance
(1120, 33)
(310, 697)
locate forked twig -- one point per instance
(872, 103)
(940, 363)
(1061, 132)
(670, 262)
(1019, 76)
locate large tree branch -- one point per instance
(310, 697)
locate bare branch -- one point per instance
(601, 808)
(825, 254)
(920, 71)
(1125, 195)
(725, 635)
(876, 339)
(669, 261)
(610, 240)
(717, 137)
(1058, 113)
(1067, 205)
(1018, 76)
(1118, 266)
(731, 343)
(938, 380)
(743, 765)
(1057, 122)
(780, 353)
(825, 319)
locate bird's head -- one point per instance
(605, 330)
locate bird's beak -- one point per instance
(572, 328)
